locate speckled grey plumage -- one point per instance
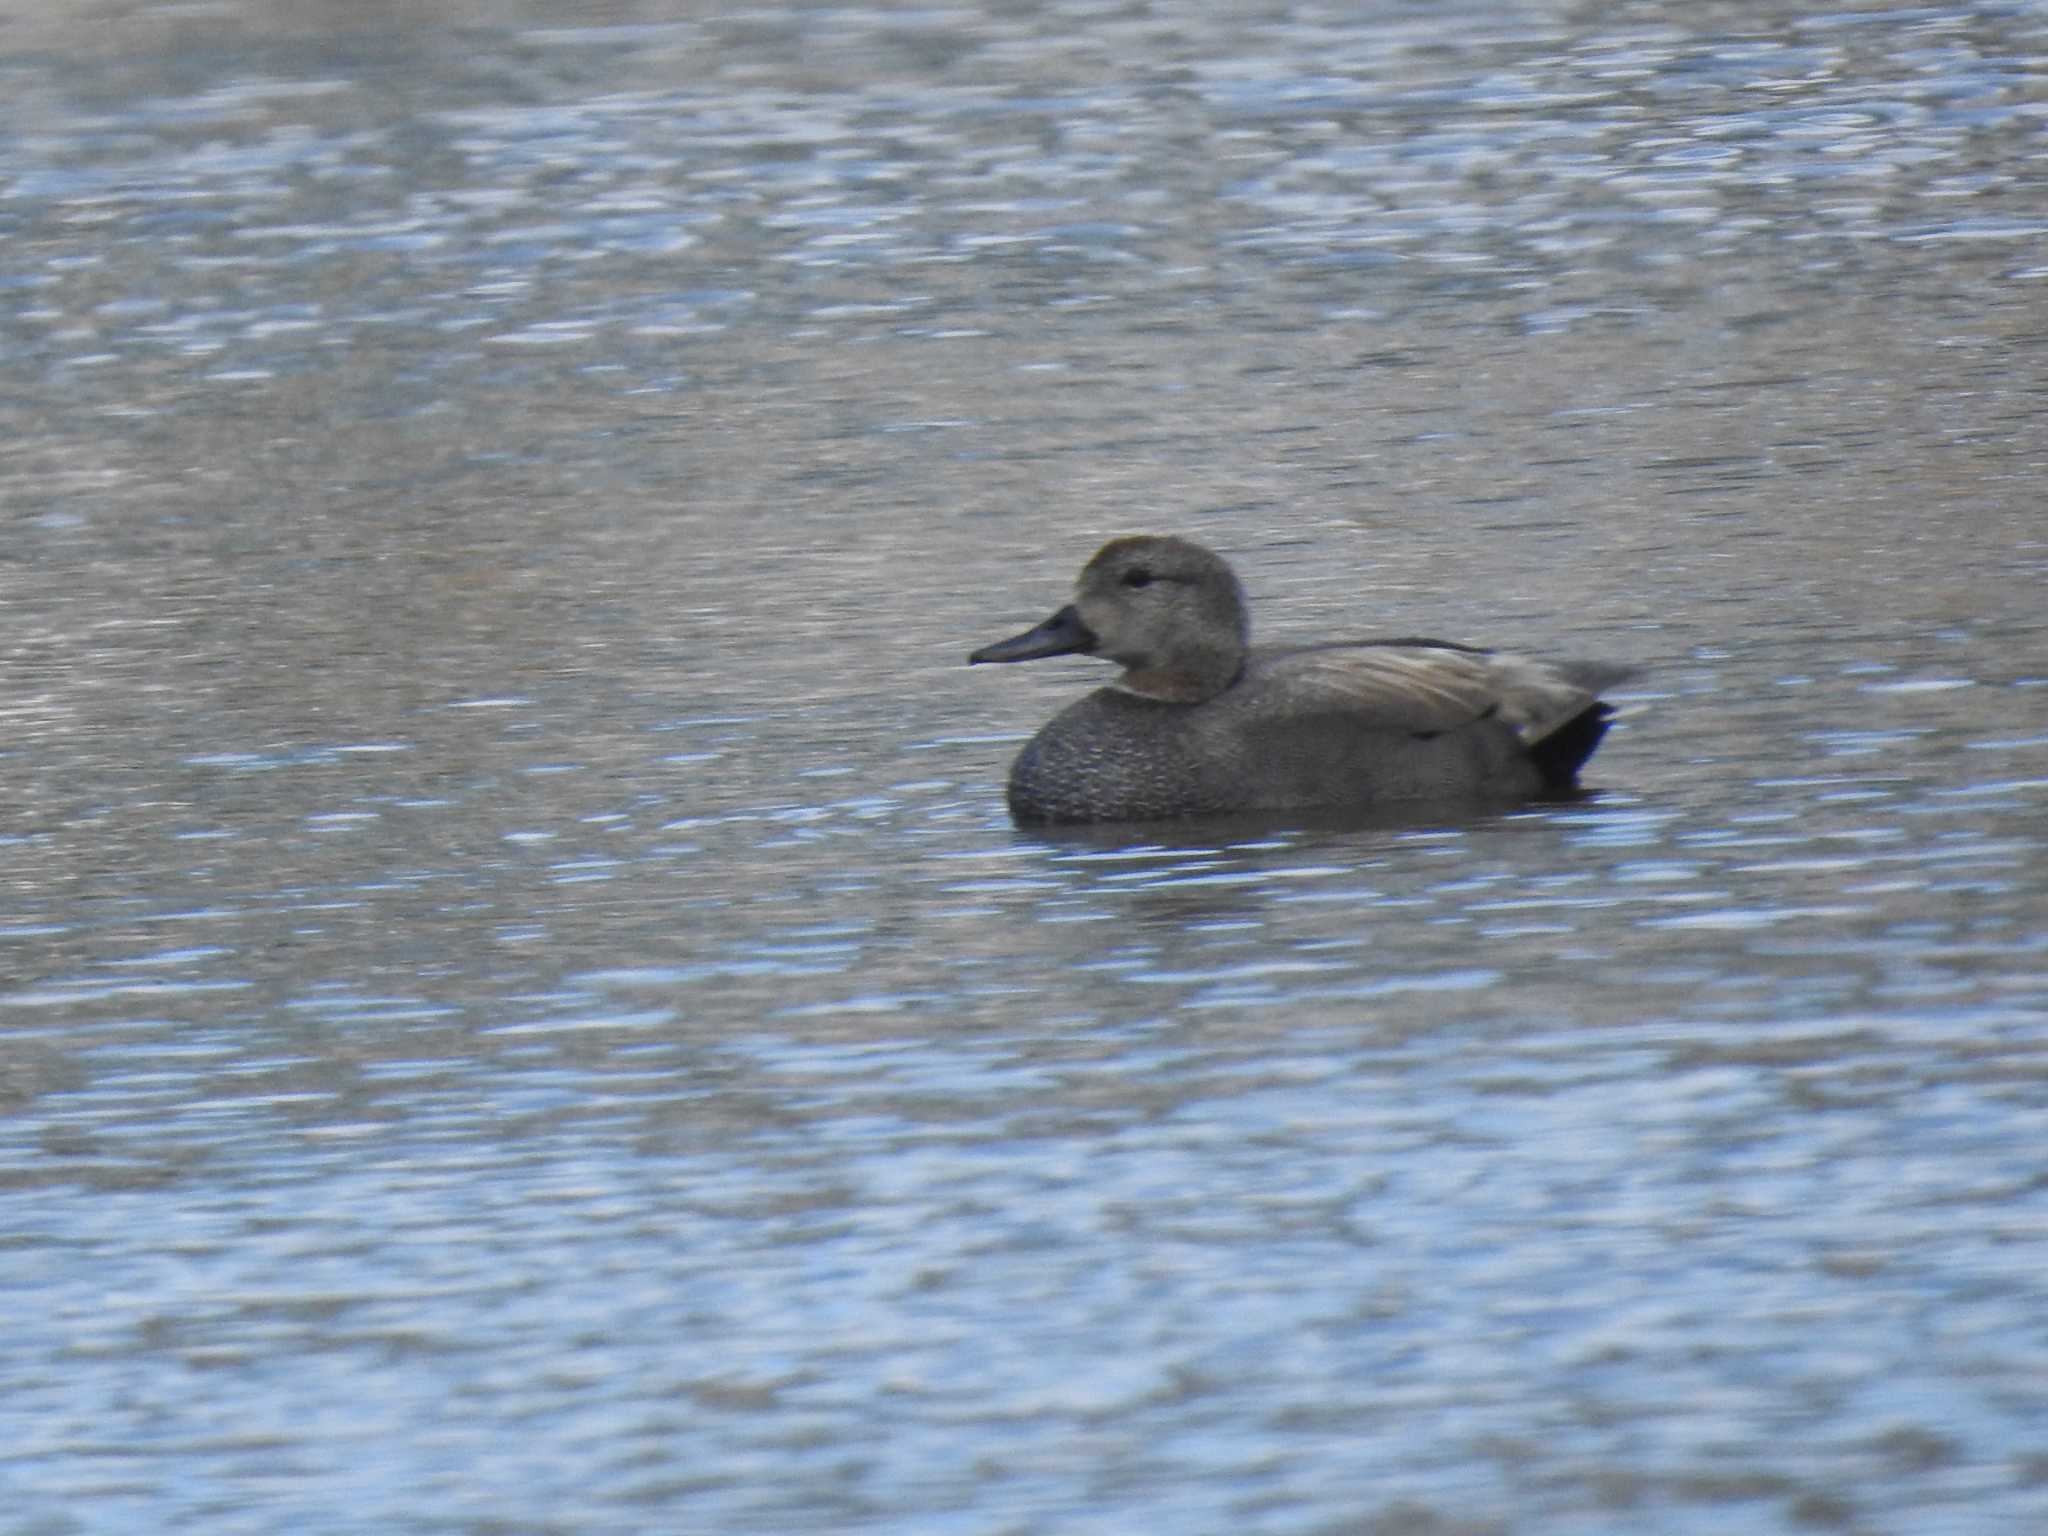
(1200, 724)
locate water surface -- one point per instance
(521, 1009)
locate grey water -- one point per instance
(521, 1008)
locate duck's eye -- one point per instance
(1140, 577)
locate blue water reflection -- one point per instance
(521, 1007)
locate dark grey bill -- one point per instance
(1061, 635)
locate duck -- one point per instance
(1200, 723)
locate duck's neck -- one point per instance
(1190, 682)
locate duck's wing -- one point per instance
(1424, 688)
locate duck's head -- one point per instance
(1170, 612)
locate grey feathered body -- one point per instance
(1350, 725)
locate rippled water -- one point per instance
(520, 1006)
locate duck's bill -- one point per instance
(1061, 635)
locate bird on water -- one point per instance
(1201, 723)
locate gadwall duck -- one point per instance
(1200, 724)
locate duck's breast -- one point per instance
(1113, 756)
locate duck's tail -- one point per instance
(1560, 754)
